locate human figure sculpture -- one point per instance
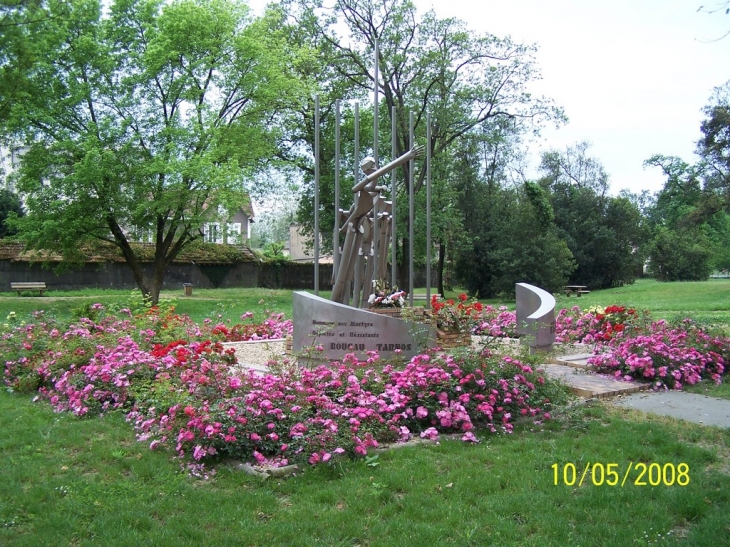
(367, 230)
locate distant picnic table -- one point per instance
(577, 290)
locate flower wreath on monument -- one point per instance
(385, 297)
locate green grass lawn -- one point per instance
(68, 481)
(705, 301)
(204, 303)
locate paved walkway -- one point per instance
(699, 409)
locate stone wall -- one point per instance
(116, 275)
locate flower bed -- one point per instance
(175, 380)
(346, 407)
(183, 393)
(668, 356)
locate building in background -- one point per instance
(10, 158)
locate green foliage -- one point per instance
(427, 65)
(606, 235)
(510, 243)
(10, 207)
(273, 253)
(714, 146)
(144, 117)
(680, 256)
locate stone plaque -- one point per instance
(535, 315)
(342, 329)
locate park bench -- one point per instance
(19, 286)
(577, 290)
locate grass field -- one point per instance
(705, 301)
(87, 482)
(69, 481)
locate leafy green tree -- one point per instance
(714, 146)
(690, 205)
(143, 117)
(9, 202)
(515, 243)
(606, 235)
(426, 65)
(680, 255)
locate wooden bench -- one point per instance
(39, 286)
(578, 290)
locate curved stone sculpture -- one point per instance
(535, 315)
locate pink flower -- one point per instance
(421, 412)
(430, 433)
(469, 437)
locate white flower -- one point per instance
(372, 297)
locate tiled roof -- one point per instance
(200, 253)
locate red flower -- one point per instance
(463, 297)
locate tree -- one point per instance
(9, 202)
(426, 65)
(680, 256)
(148, 118)
(605, 234)
(575, 168)
(714, 146)
(690, 222)
(515, 242)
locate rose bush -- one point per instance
(184, 393)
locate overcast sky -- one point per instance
(632, 75)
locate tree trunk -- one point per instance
(403, 272)
(440, 272)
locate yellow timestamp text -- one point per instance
(612, 474)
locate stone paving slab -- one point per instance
(578, 360)
(692, 407)
(589, 385)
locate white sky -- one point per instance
(632, 75)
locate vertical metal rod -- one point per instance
(336, 232)
(411, 164)
(428, 210)
(376, 227)
(393, 181)
(356, 165)
(356, 178)
(375, 102)
(316, 195)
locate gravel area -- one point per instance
(257, 352)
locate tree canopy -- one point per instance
(146, 117)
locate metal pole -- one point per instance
(393, 181)
(375, 102)
(356, 178)
(336, 232)
(410, 212)
(428, 210)
(316, 195)
(376, 228)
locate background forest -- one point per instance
(151, 114)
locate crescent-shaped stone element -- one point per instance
(535, 315)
